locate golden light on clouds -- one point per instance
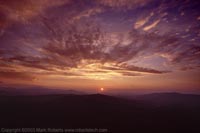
(151, 25)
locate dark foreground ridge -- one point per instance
(102, 111)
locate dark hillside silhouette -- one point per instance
(99, 111)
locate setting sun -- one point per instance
(102, 89)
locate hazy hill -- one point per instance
(10, 91)
(171, 99)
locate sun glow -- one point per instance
(102, 89)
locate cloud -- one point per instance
(141, 69)
(16, 75)
(87, 13)
(87, 44)
(23, 10)
(146, 28)
(127, 67)
(123, 3)
(130, 74)
(82, 40)
(142, 21)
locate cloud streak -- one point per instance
(16, 75)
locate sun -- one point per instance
(102, 89)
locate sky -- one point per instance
(110, 44)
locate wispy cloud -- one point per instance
(16, 75)
(123, 3)
(142, 21)
(23, 10)
(146, 28)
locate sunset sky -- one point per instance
(89, 44)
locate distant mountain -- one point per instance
(36, 91)
(169, 99)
